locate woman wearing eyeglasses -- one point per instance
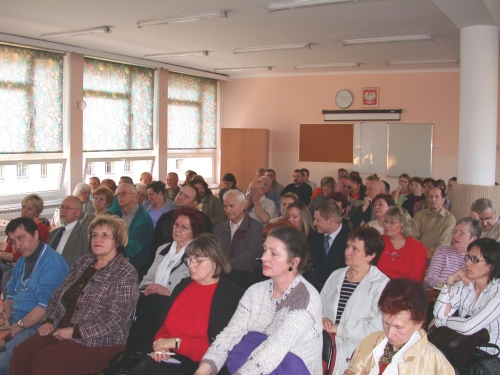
(449, 259)
(403, 256)
(199, 308)
(474, 293)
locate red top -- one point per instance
(408, 262)
(316, 192)
(44, 236)
(188, 320)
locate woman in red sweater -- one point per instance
(199, 308)
(403, 256)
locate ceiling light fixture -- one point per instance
(221, 70)
(389, 39)
(411, 62)
(176, 54)
(185, 18)
(303, 3)
(329, 65)
(92, 30)
(272, 48)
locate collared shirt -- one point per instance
(67, 231)
(234, 227)
(333, 235)
(130, 216)
(434, 230)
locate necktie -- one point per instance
(327, 244)
(58, 238)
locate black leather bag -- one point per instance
(123, 363)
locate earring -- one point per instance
(290, 268)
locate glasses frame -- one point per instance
(474, 260)
(195, 262)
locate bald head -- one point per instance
(375, 188)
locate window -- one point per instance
(179, 164)
(90, 169)
(2, 173)
(109, 167)
(43, 171)
(31, 105)
(119, 111)
(127, 167)
(192, 112)
(22, 172)
(112, 167)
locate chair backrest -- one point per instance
(327, 354)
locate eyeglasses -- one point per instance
(122, 194)
(61, 207)
(344, 186)
(195, 262)
(474, 260)
(182, 228)
(460, 232)
(482, 220)
(387, 222)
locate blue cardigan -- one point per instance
(49, 272)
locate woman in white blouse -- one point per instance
(351, 294)
(473, 292)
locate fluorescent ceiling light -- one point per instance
(389, 39)
(241, 69)
(176, 54)
(411, 62)
(92, 30)
(303, 3)
(272, 48)
(185, 18)
(330, 65)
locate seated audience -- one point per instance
(83, 191)
(381, 203)
(358, 191)
(94, 183)
(301, 189)
(328, 242)
(365, 213)
(327, 184)
(38, 272)
(402, 348)
(208, 203)
(277, 325)
(274, 197)
(142, 193)
(298, 214)
(319, 190)
(434, 224)
(403, 255)
(414, 196)
(189, 176)
(470, 299)
(71, 240)
(449, 259)
(111, 184)
(403, 189)
(146, 178)
(199, 308)
(157, 204)
(88, 317)
(345, 207)
(173, 187)
(103, 198)
(257, 205)
(350, 295)
(484, 210)
(229, 183)
(305, 178)
(285, 201)
(427, 185)
(276, 186)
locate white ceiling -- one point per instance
(249, 24)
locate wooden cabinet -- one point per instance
(243, 151)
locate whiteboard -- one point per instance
(370, 147)
(410, 150)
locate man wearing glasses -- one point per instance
(483, 210)
(71, 240)
(364, 213)
(258, 206)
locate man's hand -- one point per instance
(14, 329)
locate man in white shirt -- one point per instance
(258, 206)
(71, 240)
(275, 197)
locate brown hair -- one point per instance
(207, 245)
(404, 295)
(374, 243)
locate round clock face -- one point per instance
(343, 99)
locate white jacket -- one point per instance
(361, 315)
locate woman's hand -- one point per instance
(458, 276)
(160, 347)
(46, 329)
(160, 355)
(328, 326)
(156, 289)
(63, 333)
(204, 369)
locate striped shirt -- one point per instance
(345, 293)
(445, 261)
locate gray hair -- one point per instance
(240, 197)
(474, 225)
(77, 201)
(141, 187)
(81, 187)
(261, 184)
(131, 186)
(481, 205)
(265, 178)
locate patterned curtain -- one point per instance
(192, 112)
(119, 112)
(31, 95)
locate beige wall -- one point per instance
(282, 103)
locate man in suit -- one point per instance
(71, 240)
(328, 242)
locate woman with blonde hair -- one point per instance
(298, 214)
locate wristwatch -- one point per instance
(177, 342)
(20, 323)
